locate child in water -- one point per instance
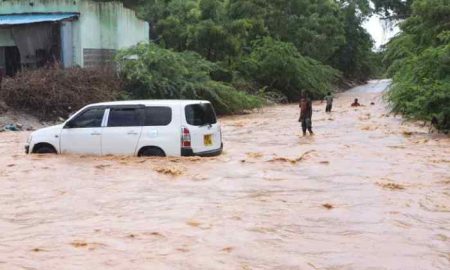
(356, 103)
(329, 99)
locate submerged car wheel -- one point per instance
(152, 152)
(45, 149)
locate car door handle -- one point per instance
(132, 133)
(96, 134)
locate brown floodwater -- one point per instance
(368, 191)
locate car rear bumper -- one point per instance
(211, 153)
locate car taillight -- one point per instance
(185, 138)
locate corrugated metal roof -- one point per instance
(13, 19)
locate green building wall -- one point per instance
(101, 25)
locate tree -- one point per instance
(393, 9)
(354, 58)
(278, 66)
(419, 60)
(313, 37)
(163, 73)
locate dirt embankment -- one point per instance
(19, 119)
(53, 93)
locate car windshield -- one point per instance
(200, 114)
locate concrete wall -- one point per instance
(6, 38)
(136, 30)
(101, 25)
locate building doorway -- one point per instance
(12, 60)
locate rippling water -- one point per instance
(368, 191)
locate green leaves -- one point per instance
(419, 59)
(283, 46)
(395, 9)
(355, 58)
(153, 72)
(212, 41)
(278, 66)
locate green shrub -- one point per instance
(278, 66)
(160, 73)
(419, 59)
(421, 86)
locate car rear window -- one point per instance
(125, 117)
(200, 114)
(158, 116)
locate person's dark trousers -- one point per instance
(328, 108)
(307, 125)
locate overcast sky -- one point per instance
(380, 34)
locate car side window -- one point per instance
(89, 119)
(158, 116)
(125, 117)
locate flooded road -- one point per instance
(368, 191)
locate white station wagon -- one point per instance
(140, 128)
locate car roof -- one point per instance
(150, 102)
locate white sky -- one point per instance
(380, 32)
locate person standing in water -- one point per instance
(306, 114)
(329, 99)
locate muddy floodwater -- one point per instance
(368, 191)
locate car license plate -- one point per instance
(207, 139)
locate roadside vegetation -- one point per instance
(56, 92)
(237, 53)
(162, 73)
(418, 60)
(242, 52)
